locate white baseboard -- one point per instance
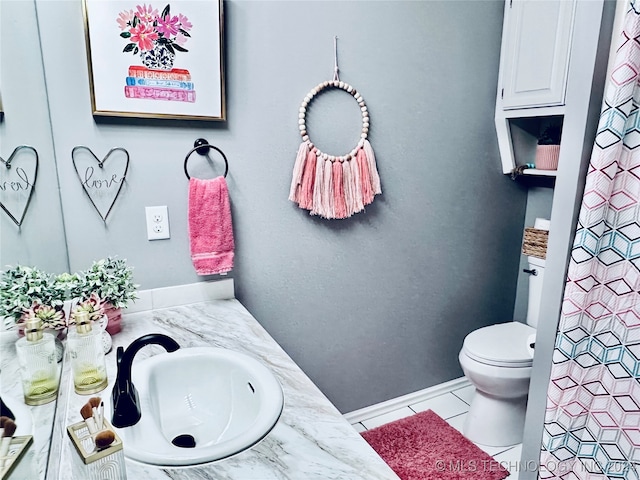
(182, 295)
(405, 400)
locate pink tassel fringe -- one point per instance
(334, 189)
(348, 187)
(308, 181)
(318, 207)
(296, 181)
(327, 193)
(358, 206)
(365, 177)
(338, 191)
(373, 170)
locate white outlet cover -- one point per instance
(157, 219)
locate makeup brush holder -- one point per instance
(16, 461)
(92, 463)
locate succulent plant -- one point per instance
(51, 317)
(92, 306)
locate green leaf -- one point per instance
(135, 21)
(185, 33)
(179, 48)
(125, 34)
(165, 13)
(162, 40)
(129, 47)
(135, 51)
(170, 48)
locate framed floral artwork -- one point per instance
(155, 60)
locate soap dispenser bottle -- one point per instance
(38, 366)
(87, 356)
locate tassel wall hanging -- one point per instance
(334, 186)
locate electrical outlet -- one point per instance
(157, 223)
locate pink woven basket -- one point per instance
(547, 157)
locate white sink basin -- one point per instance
(223, 401)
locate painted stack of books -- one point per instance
(173, 85)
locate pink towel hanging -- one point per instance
(210, 227)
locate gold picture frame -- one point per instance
(156, 60)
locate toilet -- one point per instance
(497, 360)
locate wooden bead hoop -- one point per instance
(303, 112)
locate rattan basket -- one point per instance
(535, 242)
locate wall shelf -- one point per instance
(540, 173)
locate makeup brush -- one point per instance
(104, 439)
(87, 414)
(95, 405)
(7, 432)
(101, 414)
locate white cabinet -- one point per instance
(536, 52)
(534, 66)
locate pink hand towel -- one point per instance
(210, 229)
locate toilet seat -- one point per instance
(500, 345)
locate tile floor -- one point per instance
(453, 407)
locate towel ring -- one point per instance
(202, 146)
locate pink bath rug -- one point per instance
(426, 447)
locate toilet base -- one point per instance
(497, 422)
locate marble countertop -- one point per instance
(311, 440)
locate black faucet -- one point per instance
(125, 406)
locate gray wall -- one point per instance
(371, 307)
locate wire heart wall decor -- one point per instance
(18, 182)
(102, 185)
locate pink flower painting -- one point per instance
(156, 38)
(146, 29)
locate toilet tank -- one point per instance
(535, 290)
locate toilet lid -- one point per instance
(504, 344)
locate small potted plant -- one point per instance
(548, 148)
(112, 280)
(23, 288)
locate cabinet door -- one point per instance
(536, 57)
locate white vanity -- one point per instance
(310, 440)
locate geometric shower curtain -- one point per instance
(592, 419)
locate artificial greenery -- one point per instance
(111, 279)
(69, 285)
(24, 289)
(21, 287)
(550, 135)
